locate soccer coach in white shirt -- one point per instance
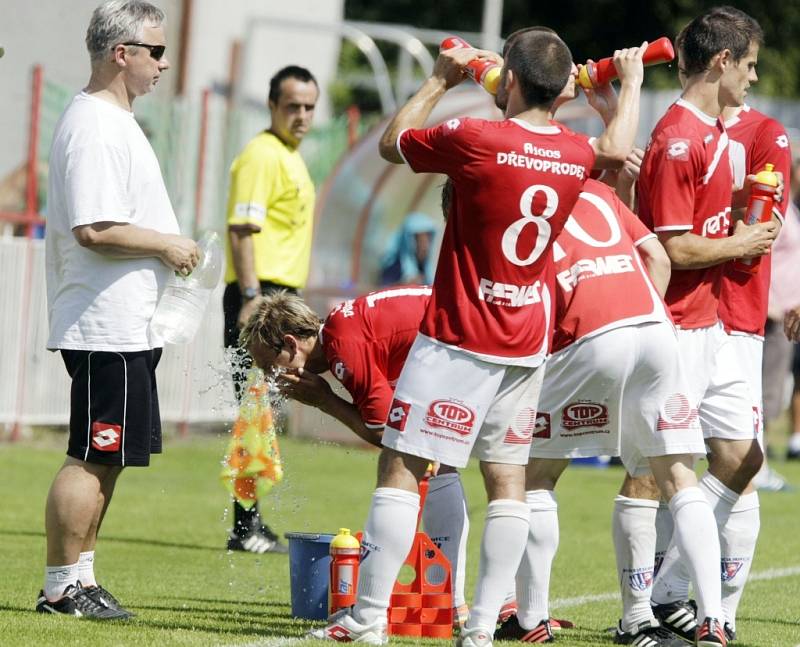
(112, 241)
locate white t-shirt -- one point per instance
(102, 168)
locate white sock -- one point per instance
(737, 546)
(388, 537)
(86, 569)
(445, 518)
(672, 582)
(57, 579)
(794, 442)
(504, 537)
(664, 526)
(533, 575)
(698, 544)
(633, 526)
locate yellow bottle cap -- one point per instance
(584, 80)
(767, 176)
(491, 80)
(345, 540)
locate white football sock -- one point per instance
(633, 526)
(533, 575)
(387, 540)
(737, 546)
(445, 518)
(664, 527)
(86, 569)
(57, 579)
(504, 537)
(698, 544)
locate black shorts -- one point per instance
(114, 417)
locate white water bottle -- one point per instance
(181, 307)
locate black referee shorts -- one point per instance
(114, 416)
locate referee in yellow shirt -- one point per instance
(270, 220)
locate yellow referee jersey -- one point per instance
(270, 187)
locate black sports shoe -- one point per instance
(679, 618)
(730, 633)
(257, 540)
(648, 634)
(511, 630)
(77, 602)
(104, 597)
(711, 634)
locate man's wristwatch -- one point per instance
(250, 293)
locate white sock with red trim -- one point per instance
(737, 546)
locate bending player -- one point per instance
(487, 319)
(363, 342)
(685, 196)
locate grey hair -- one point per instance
(118, 21)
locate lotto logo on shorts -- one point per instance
(398, 414)
(584, 414)
(677, 413)
(452, 415)
(542, 428)
(521, 431)
(106, 437)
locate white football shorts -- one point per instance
(620, 393)
(715, 366)
(448, 405)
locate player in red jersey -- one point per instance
(685, 196)
(474, 365)
(613, 385)
(363, 342)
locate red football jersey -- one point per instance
(366, 341)
(755, 140)
(685, 184)
(515, 186)
(601, 282)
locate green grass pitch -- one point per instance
(161, 550)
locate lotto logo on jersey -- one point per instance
(677, 149)
(506, 294)
(782, 141)
(106, 437)
(717, 225)
(584, 414)
(521, 431)
(452, 124)
(542, 427)
(677, 413)
(452, 415)
(398, 415)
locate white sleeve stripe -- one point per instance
(644, 238)
(777, 213)
(369, 426)
(397, 145)
(673, 228)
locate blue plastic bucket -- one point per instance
(309, 574)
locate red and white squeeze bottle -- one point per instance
(601, 72)
(345, 552)
(759, 209)
(485, 73)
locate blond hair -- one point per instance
(276, 315)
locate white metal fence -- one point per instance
(194, 381)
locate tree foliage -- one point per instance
(595, 29)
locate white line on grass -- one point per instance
(561, 603)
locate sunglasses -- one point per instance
(156, 51)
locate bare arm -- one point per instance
(311, 389)
(448, 71)
(129, 241)
(689, 251)
(657, 263)
(243, 259)
(612, 147)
